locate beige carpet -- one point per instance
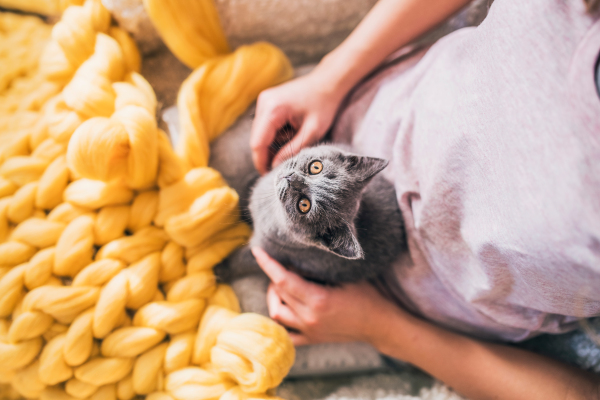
(404, 384)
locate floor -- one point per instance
(406, 383)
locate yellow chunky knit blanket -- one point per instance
(107, 235)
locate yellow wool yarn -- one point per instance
(45, 7)
(108, 237)
(235, 80)
(191, 29)
(223, 85)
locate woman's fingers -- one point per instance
(286, 281)
(272, 113)
(264, 129)
(306, 136)
(281, 312)
(288, 299)
(285, 316)
(300, 103)
(299, 339)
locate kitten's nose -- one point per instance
(297, 182)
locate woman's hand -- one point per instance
(307, 104)
(317, 314)
(477, 369)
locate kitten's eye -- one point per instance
(304, 205)
(315, 167)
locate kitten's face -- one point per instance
(318, 194)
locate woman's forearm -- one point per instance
(481, 370)
(477, 369)
(390, 25)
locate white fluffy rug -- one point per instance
(408, 384)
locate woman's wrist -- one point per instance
(389, 328)
(337, 74)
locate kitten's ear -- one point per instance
(365, 168)
(341, 241)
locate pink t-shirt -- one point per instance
(494, 140)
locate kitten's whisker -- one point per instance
(289, 141)
(270, 196)
(279, 144)
(301, 140)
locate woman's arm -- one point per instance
(390, 25)
(477, 369)
(309, 103)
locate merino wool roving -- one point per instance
(44, 7)
(108, 236)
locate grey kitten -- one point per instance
(325, 214)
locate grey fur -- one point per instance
(353, 230)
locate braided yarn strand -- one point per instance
(108, 236)
(44, 7)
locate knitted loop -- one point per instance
(74, 39)
(172, 265)
(62, 303)
(178, 197)
(102, 371)
(193, 286)
(205, 217)
(11, 290)
(123, 147)
(195, 383)
(179, 351)
(52, 183)
(79, 389)
(130, 52)
(143, 210)
(79, 340)
(213, 321)
(125, 388)
(96, 194)
(225, 297)
(135, 92)
(170, 317)
(22, 170)
(75, 247)
(255, 367)
(60, 120)
(132, 248)
(90, 93)
(22, 203)
(111, 222)
(18, 355)
(147, 372)
(130, 341)
(53, 368)
(27, 381)
(39, 269)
